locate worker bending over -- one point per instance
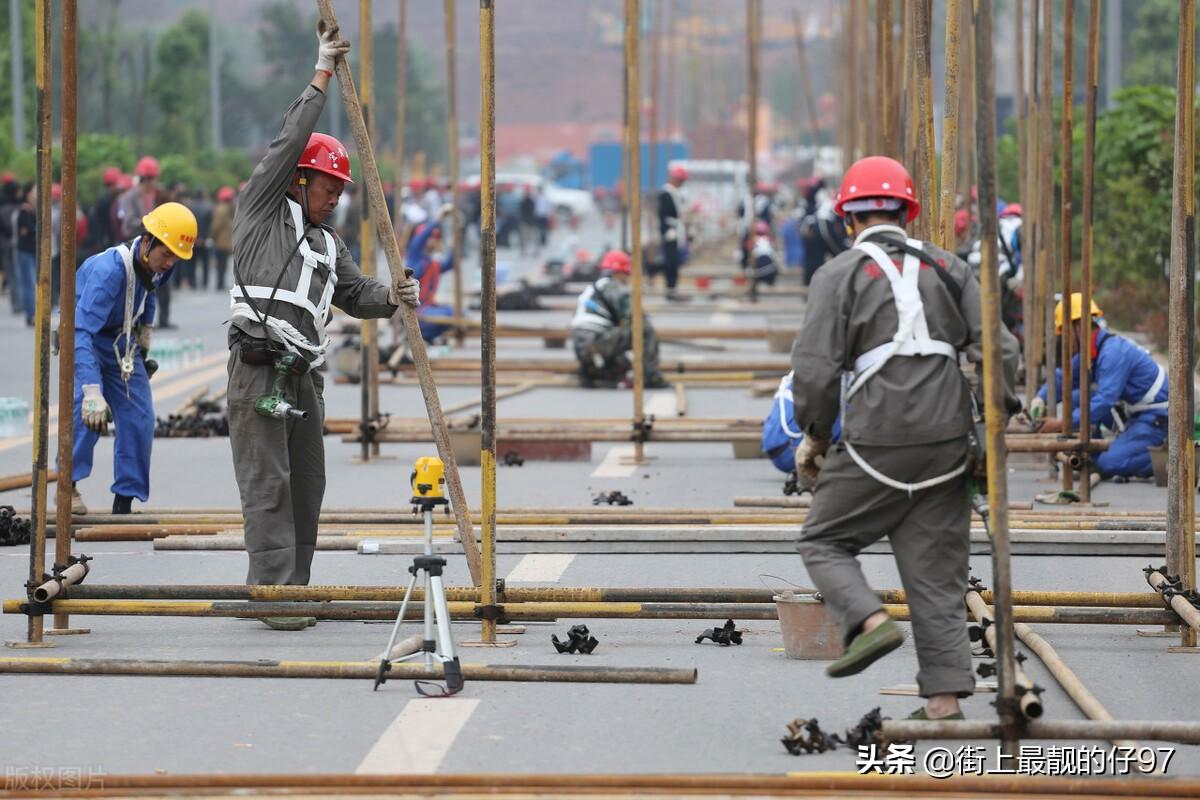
(429, 259)
(115, 305)
(289, 269)
(602, 329)
(1129, 395)
(886, 324)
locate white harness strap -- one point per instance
(1147, 402)
(912, 339)
(284, 331)
(125, 360)
(782, 394)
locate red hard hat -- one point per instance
(55, 191)
(761, 228)
(225, 194)
(878, 177)
(431, 183)
(1012, 210)
(326, 154)
(125, 181)
(7, 177)
(616, 261)
(962, 221)
(677, 172)
(416, 184)
(112, 176)
(147, 167)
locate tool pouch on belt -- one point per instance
(256, 352)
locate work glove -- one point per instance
(94, 410)
(332, 45)
(405, 290)
(1037, 409)
(810, 456)
(143, 337)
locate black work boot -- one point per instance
(122, 504)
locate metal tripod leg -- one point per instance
(385, 662)
(435, 599)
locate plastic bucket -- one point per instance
(808, 632)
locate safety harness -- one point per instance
(912, 340)
(242, 305)
(125, 360)
(594, 312)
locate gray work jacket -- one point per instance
(264, 233)
(851, 310)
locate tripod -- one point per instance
(437, 612)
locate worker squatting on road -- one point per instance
(115, 306)
(602, 329)
(671, 226)
(886, 324)
(289, 269)
(1129, 395)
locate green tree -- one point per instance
(1152, 43)
(179, 85)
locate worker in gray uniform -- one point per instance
(289, 269)
(885, 325)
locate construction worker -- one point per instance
(115, 306)
(289, 269)
(222, 235)
(671, 226)
(429, 259)
(881, 340)
(1129, 395)
(602, 329)
(764, 263)
(137, 201)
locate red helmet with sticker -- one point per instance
(878, 178)
(616, 261)
(326, 154)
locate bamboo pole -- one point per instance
(850, 34)
(401, 98)
(866, 99)
(1167, 731)
(633, 95)
(1186, 611)
(41, 369)
(487, 259)
(1066, 677)
(369, 369)
(542, 610)
(451, 28)
(1030, 702)
(1031, 224)
(1181, 485)
(810, 97)
(1022, 115)
(753, 50)
(416, 344)
(360, 670)
(66, 326)
(1046, 262)
(655, 57)
(926, 152)
(884, 19)
(1066, 131)
(950, 122)
(1085, 266)
(1007, 703)
(538, 786)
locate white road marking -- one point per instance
(611, 466)
(419, 737)
(540, 568)
(661, 404)
(720, 318)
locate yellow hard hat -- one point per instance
(174, 225)
(1076, 311)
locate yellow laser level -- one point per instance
(429, 482)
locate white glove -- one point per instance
(143, 337)
(671, 235)
(405, 290)
(332, 46)
(94, 409)
(1037, 409)
(810, 456)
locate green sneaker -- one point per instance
(286, 623)
(867, 648)
(920, 714)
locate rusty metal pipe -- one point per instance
(1159, 730)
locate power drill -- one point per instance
(275, 404)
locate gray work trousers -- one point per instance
(280, 469)
(611, 346)
(930, 537)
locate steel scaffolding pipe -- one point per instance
(361, 670)
(351, 610)
(591, 594)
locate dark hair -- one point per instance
(895, 215)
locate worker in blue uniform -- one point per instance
(429, 261)
(114, 311)
(1129, 395)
